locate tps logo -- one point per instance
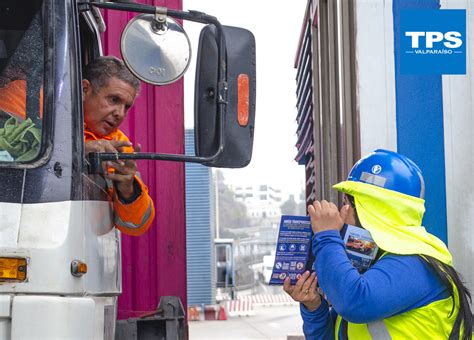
(433, 41)
(450, 40)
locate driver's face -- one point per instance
(105, 109)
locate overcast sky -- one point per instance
(276, 25)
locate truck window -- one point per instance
(21, 81)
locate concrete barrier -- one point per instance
(268, 299)
(239, 308)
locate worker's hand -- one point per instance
(325, 216)
(304, 290)
(103, 145)
(124, 175)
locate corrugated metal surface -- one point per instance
(328, 130)
(154, 264)
(304, 94)
(304, 104)
(201, 272)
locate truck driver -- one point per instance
(109, 90)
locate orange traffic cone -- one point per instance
(222, 315)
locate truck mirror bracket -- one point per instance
(95, 159)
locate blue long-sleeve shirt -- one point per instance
(393, 285)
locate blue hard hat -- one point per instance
(389, 170)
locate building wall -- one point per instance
(428, 118)
(201, 262)
(154, 264)
(375, 74)
(399, 112)
(458, 107)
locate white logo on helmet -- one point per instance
(376, 169)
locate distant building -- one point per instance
(200, 257)
(262, 201)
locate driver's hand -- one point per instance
(124, 175)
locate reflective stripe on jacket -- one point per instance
(136, 217)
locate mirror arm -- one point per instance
(141, 8)
(96, 158)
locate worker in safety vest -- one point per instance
(109, 90)
(410, 292)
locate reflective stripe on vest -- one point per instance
(131, 225)
(378, 330)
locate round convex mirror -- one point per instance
(157, 54)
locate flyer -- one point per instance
(293, 246)
(360, 247)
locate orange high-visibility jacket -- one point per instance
(134, 218)
(13, 99)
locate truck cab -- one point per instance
(60, 254)
(56, 218)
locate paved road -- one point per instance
(271, 323)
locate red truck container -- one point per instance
(155, 264)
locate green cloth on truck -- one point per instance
(20, 139)
(394, 220)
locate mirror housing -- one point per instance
(239, 116)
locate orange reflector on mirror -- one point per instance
(12, 269)
(243, 99)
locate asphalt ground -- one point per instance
(269, 322)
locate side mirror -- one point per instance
(239, 118)
(157, 53)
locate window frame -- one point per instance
(90, 47)
(46, 146)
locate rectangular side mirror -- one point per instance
(239, 118)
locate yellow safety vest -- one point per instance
(433, 321)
